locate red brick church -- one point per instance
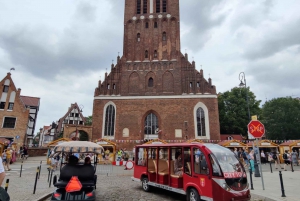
(154, 91)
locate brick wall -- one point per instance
(32, 151)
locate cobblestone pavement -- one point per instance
(114, 183)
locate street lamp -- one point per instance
(242, 78)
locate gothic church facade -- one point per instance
(153, 91)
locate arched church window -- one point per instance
(146, 54)
(108, 86)
(150, 82)
(138, 6)
(158, 6)
(109, 129)
(146, 25)
(155, 24)
(151, 124)
(164, 36)
(145, 4)
(155, 54)
(191, 84)
(198, 84)
(164, 6)
(200, 122)
(114, 86)
(138, 37)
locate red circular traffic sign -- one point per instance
(256, 128)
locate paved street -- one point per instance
(117, 184)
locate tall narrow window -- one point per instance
(108, 86)
(146, 54)
(114, 86)
(109, 129)
(138, 37)
(150, 82)
(164, 36)
(146, 25)
(151, 124)
(145, 4)
(155, 24)
(158, 6)
(164, 6)
(2, 105)
(155, 54)
(138, 6)
(5, 88)
(200, 122)
(11, 106)
(198, 84)
(191, 84)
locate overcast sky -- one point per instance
(60, 49)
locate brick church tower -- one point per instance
(153, 91)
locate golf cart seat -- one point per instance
(85, 174)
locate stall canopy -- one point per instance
(156, 141)
(290, 146)
(52, 144)
(263, 144)
(233, 144)
(195, 140)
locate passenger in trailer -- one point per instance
(178, 168)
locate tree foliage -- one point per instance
(88, 120)
(281, 117)
(233, 110)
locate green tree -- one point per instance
(233, 110)
(281, 117)
(88, 120)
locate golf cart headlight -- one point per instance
(226, 187)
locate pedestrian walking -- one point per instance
(245, 157)
(8, 158)
(263, 157)
(275, 157)
(251, 160)
(294, 156)
(287, 159)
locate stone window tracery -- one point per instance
(200, 115)
(109, 129)
(150, 82)
(151, 124)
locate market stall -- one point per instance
(267, 146)
(290, 146)
(109, 151)
(195, 140)
(52, 144)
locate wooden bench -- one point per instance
(163, 171)
(176, 180)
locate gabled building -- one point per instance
(18, 118)
(154, 91)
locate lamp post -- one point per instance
(243, 83)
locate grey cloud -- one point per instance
(201, 19)
(86, 12)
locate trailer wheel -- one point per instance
(193, 195)
(145, 185)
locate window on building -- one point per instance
(146, 54)
(114, 86)
(108, 86)
(145, 4)
(151, 124)
(81, 122)
(146, 25)
(138, 7)
(75, 122)
(9, 122)
(158, 6)
(155, 24)
(11, 106)
(150, 82)
(164, 36)
(109, 128)
(164, 6)
(71, 114)
(155, 54)
(191, 84)
(70, 121)
(198, 84)
(76, 114)
(200, 122)
(138, 37)
(2, 105)
(66, 121)
(5, 88)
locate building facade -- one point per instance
(154, 91)
(18, 118)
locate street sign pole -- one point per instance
(262, 178)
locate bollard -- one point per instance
(36, 178)
(271, 167)
(6, 184)
(251, 182)
(50, 177)
(292, 166)
(40, 169)
(48, 173)
(281, 183)
(21, 168)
